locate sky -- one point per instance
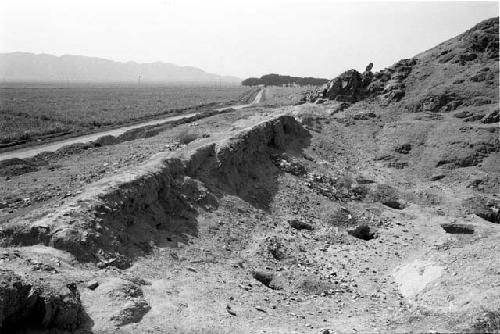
(239, 38)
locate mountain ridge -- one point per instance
(26, 66)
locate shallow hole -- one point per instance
(363, 232)
(300, 225)
(394, 205)
(458, 228)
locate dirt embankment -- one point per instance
(121, 217)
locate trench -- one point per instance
(125, 216)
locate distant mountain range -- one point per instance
(22, 66)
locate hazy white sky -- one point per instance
(241, 38)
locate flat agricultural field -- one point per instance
(37, 112)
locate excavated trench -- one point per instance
(124, 216)
(156, 204)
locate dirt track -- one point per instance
(30, 152)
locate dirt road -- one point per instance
(30, 152)
(256, 100)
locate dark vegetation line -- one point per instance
(283, 80)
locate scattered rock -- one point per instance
(288, 164)
(493, 117)
(434, 103)
(403, 149)
(277, 248)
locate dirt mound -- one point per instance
(124, 303)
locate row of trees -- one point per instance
(281, 80)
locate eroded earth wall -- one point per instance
(123, 216)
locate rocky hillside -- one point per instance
(460, 72)
(444, 102)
